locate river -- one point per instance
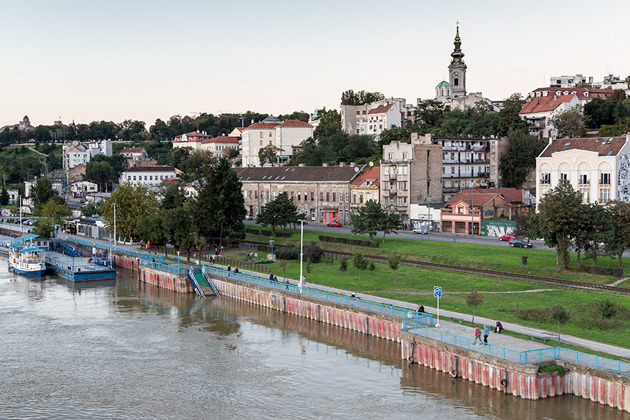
(126, 350)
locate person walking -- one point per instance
(477, 336)
(486, 333)
(499, 327)
(286, 285)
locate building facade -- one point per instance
(194, 139)
(218, 145)
(457, 68)
(410, 174)
(76, 153)
(364, 188)
(599, 168)
(321, 192)
(151, 176)
(355, 119)
(285, 135)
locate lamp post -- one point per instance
(114, 224)
(472, 214)
(178, 262)
(301, 253)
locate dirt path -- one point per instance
(618, 282)
(462, 293)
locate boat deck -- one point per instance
(77, 268)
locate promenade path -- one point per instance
(456, 328)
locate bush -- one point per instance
(596, 269)
(284, 234)
(371, 267)
(348, 241)
(308, 266)
(313, 253)
(328, 259)
(552, 369)
(343, 264)
(288, 253)
(252, 231)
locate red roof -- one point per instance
(263, 126)
(545, 103)
(381, 109)
(371, 174)
(193, 137)
(294, 123)
(478, 198)
(222, 139)
(606, 146)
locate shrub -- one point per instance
(313, 253)
(343, 264)
(252, 231)
(328, 259)
(348, 241)
(371, 267)
(288, 253)
(596, 269)
(308, 266)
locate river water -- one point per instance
(126, 350)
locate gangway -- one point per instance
(210, 282)
(68, 250)
(194, 280)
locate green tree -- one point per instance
(429, 114)
(620, 212)
(179, 224)
(132, 202)
(474, 299)
(558, 219)
(606, 309)
(151, 229)
(219, 208)
(519, 158)
(369, 219)
(4, 197)
(361, 97)
(283, 267)
(41, 192)
(89, 210)
(394, 261)
(509, 117)
(561, 316)
(390, 222)
(43, 227)
(329, 124)
(101, 173)
(360, 263)
(600, 231)
(279, 212)
(343, 264)
(52, 214)
(269, 154)
(570, 123)
(174, 196)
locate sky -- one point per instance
(146, 59)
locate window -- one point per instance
(150, 177)
(256, 194)
(545, 178)
(405, 170)
(270, 134)
(585, 195)
(584, 178)
(605, 195)
(334, 196)
(564, 177)
(261, 136)
(321, 196)
(298, 196)
(354, 197)
(604, 178)
(360, 198)
(391, 156)
(312, 196)
(261, 142)
(456, 82)
(347, 196)
(405, 156)
(327, 196)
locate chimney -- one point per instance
(301, 165)
(352, 164)
(324, 165)
(341, 164)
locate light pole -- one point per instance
(301, 253)
(114, 224)
(472, 214)
(178, 262)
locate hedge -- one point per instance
(596, 269)
(349, 241)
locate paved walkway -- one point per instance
(455, 327)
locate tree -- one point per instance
(180, 226)
(151, 229)
(369, 219)
(558, 218)
(620, 212)
(393, 261)
(329, 124)
(509, 117)
(219, 208)
(429, 114)
(52, 214)
(519, 159)
(173, 196)
(101, 173)
(43, 227)
(4, 197)
(560, 315)
(132, 202)
(390, 223)
(283, 267)
(269, 154)
(349, 97)
(89, 210)
(474, 299)
(199, 164)
(360, 263)
(600, 231)
(606, 309)
(281, 211)
(41, 192)
(570, 123)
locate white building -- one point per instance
(354, 116)
(218, 144)
(84, 187)
(76, 153)
(569, 81)
(283, 134)
(381, 118)
(194, 139)
(599, 168)
(150, 176)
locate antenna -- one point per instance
(356, 169)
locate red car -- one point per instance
(334, 223)
(508, 237)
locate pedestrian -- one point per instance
(353, 295)
(499, 327)
(271, 276)
(486, 333)
(477, 336)
(236, 270)
(420, 309)
(286, 285)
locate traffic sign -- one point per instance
(437, 291)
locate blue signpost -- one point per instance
(437, 292)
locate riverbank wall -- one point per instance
(154, 276)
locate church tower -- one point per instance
(457, 68)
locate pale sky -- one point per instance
(145, 59)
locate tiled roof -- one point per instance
(222, 139)
(478, 198)
(297, 174)
(511, 195)
(151, 169)
(370, 176)
(294, 123)
(260, 126)
(193, 136)
(545, 103)
(575, 89)
(381, 109)
(604, 146)
(133, 150)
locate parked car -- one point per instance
(424, 230)
(518, 242)
(507, 237)
(248, 217)
(334, 223)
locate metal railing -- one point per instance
(163, 267)
(549, 354)
(118, 249)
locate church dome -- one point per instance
(443, 83)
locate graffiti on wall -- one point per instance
(623, 178)
(497, 228)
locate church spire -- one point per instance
(458, 55)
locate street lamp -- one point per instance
(114, 224)
(301, 253)
(178, 262)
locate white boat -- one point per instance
(26, 260)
